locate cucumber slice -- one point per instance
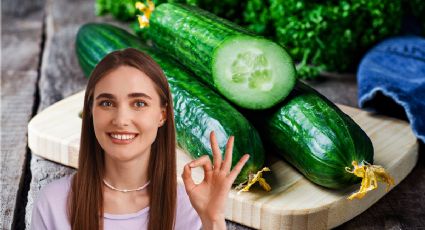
(256, 73)
(249, 70)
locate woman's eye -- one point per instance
(140, 103)
(105, 103)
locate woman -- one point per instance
(126, 177)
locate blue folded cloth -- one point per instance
(395, 68)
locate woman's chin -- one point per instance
(121, 157)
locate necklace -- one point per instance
(125, 190)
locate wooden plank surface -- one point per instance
(21, 46)
(293, 203)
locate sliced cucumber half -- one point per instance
(253, 73)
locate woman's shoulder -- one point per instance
(57, 189)
(49, 209)
(54, 194)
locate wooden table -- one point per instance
(39, 67)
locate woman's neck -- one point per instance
(127, 175)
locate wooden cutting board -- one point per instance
(293, 203)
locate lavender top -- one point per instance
(49, 211)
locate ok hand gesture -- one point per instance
(209, 197)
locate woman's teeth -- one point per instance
(123, 137)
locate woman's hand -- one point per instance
(209, 197)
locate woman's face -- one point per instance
(126, 113)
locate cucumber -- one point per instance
(316, 137)
(197, 109)
(249, 70)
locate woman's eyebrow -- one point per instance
(131, 95)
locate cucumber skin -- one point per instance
(197, 109)
(307, 122)
(173, 35)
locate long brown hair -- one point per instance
(85, 200)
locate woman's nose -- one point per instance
(122, 117)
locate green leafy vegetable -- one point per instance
(326, 35)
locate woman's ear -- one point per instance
(163, 116)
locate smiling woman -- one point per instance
(126, 124)
(126, 177)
